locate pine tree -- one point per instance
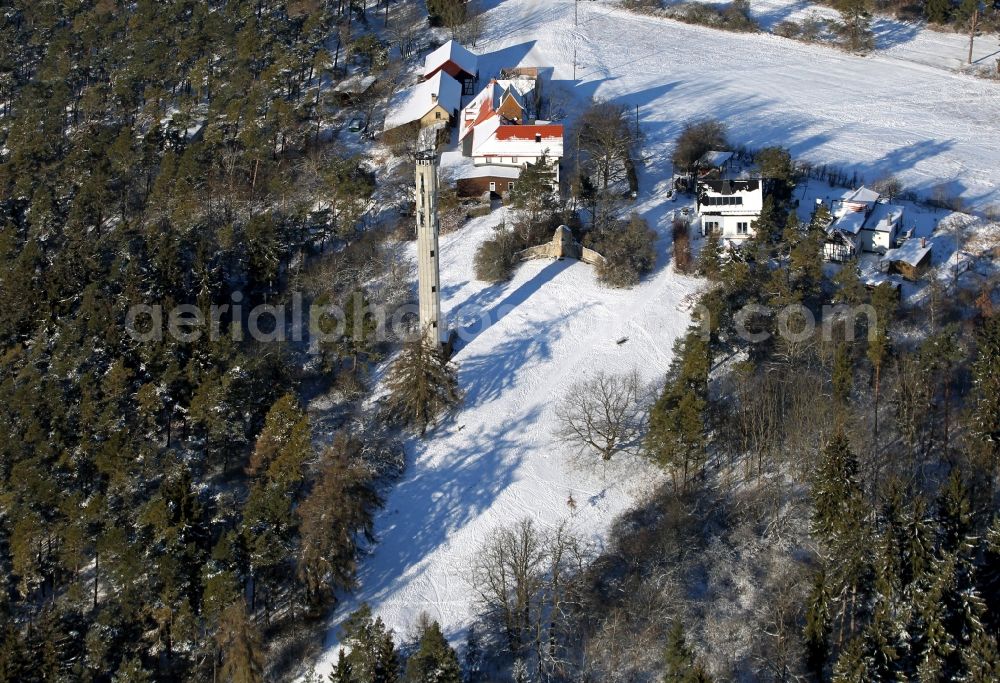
(422, 384)
(283, 444)
(373, 657)
(879, 343)
(843, 375)
(680, 663)
(850, 290)
(534, 193)
(710, 258)
(132, 671)
(337, 511)
(817, 627)
(856, 24)
(850, 666)
(988, 576)
(938, 11)
(240, 643)
(434, 661)
(984, 405)
(836, 491)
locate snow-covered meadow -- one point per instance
(497, 459)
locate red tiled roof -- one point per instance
(529, 132)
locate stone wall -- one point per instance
(562, 245)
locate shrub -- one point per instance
(788, 29)
(496, 257)
(732, 17)
(628, 251)
(682, 246)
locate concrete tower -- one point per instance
(428, 272)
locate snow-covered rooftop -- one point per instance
(862, 195)
(885, 218)
(911, 252)
(850, 222)
(493, 139)
(489, 100)
(355, 85)
(453, 52)
(413, 104)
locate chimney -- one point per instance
(923, 242)
(434, 97)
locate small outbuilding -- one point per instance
(911, 259)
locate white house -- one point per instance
(499, 137)
(862, 222)
(729, 207)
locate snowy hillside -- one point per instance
(498, 460)
(879, 114)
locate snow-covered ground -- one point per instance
(886, 113)
(498, 460)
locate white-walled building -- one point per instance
(862, 222)
(499, 137)
(729, 207)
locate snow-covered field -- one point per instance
(888, 113)
(498, 460)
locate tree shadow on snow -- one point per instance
(486, 376)
(478, 313)
(436, 499)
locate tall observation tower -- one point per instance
(428, 272)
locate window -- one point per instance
(722, 201)
(437, 114)
(711, 226)
(434, 288)
(493, 187)
(742, 228)
(432, 253)
(510, 186)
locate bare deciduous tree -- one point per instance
(603, 414)
(529, 582)
(606, 139)
(506, 574)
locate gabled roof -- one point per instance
(912, 252)
(850, 222)
(355, 85)
(884, 218)
(450, 52)
(862, 195)
(414, 103)
(489, 101)
(492, 138)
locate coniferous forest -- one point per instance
(160, 502)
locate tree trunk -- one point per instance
(973, 23)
